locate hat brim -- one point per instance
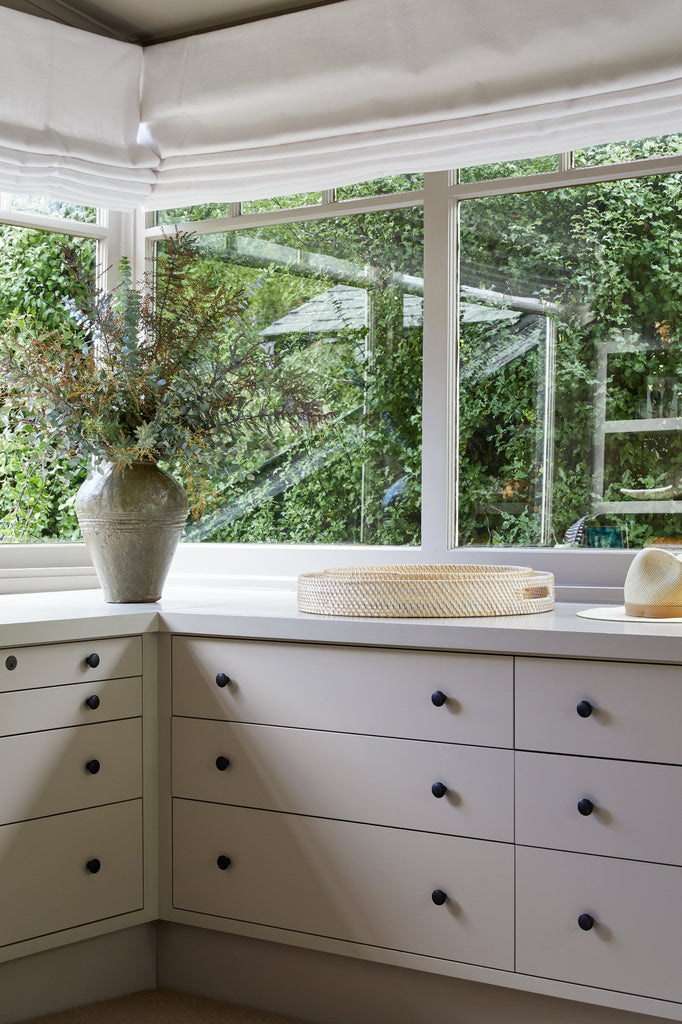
(617, 613)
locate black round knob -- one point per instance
(223, 862)
(439, 789)
(93, 866)
(586, 921)
(438, 698)
(11, 663)
(92, 766)
(585, 805)
(222, 763)
(439, 897)
(92, 702)
(92, 660)
(584, 708)
(222, 679)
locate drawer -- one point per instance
(53, 707)
(636, 709)
(55, 664)
(635, 943)
(50, 773)
(347, 689)
(637, 807)
(45, 883)
(383, 780)
(361, 883)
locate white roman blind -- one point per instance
(321, 97)
(364, 88)
(69, 114)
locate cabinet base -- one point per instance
(83, 972)
(332, 989)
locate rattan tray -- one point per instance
(426, 591)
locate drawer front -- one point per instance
(356, 882)
(636, 808)
(55, 664)
(45, 884)
(67, 769)
(636, 709)
(54, 707)
(385, 692)
(385, 781)
(635, 943)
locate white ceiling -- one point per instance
(152, 21)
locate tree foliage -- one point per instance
(38, 487)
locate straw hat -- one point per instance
(653, 585)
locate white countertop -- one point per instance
(272, 614)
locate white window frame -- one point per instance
(26, 568)
(581, 574)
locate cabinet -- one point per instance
(603, 816)
(299, 804)
(360, 883)
(631, 910)
(471, 812)
(71, 827)
(414, 807)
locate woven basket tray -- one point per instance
(426, 591)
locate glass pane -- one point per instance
(50, 207)
(206, 211)
(382, 186)
(282, 202)
(509, 169)
(339, 300)
(211, 211)
(37, 489)
(621, 152)
(570, 360)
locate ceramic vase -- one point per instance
(131, 523)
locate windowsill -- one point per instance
(226, 581)
(581, 574)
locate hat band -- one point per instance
(655, 611)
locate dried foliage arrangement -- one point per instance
(162, 372)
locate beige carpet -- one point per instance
(161, 1006)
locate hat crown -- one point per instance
(654, 580)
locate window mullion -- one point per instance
(439, 386)
(120, 242)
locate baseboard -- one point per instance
(82, 972)
(307, 984)
(330, 989)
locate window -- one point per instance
(622, 152)
(382, 186)
(570, 363)
(49, 207)
(38, 490)
(498, 351)
(510, 169)
(338, 298)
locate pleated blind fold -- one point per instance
(70, 113)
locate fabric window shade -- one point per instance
(321, 97)
(69, 114)
(364, 88)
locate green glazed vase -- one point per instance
(131, 523)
